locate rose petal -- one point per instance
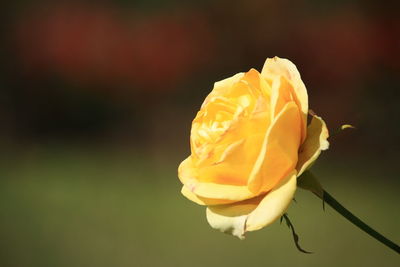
(219, 191)
(255, 213)
(278, 154)
(240, 135)
(187, 173)
(202, 200)
(256, 80)
(317, 135)
(273, 205)
(284, 67)
(232, 166)
(221, 87)
(281, 95)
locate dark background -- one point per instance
(96, 103)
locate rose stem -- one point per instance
(327, 198)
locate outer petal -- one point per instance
(202, 200)
(187, 173)
(317, 135)
(279, 152)
(273, 205)
(253, 214)
(284, 67)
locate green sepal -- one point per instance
(295, 236)
(308, 181)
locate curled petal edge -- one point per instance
(203, 200)
(253, 214)
(316, 141)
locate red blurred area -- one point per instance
(95, 43)
(343, 46)
(101, 44)
(343, 40)
(341, 53)
(65, 55)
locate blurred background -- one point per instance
(96, 103)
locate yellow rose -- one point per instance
(249, 143)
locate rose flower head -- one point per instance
(249, 143)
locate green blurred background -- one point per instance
(96, 103)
